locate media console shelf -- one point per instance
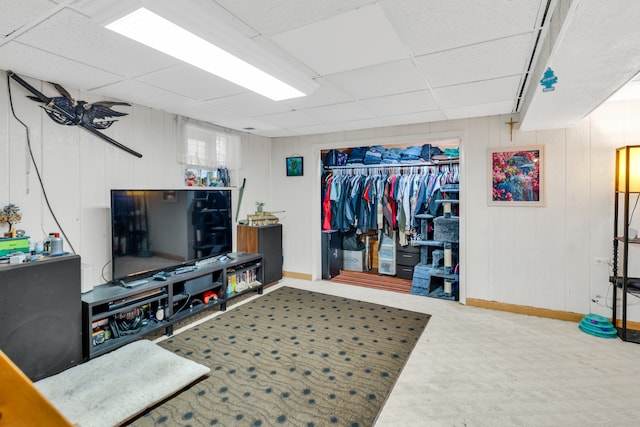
(113, 315)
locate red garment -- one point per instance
(393, 203)
(365, 194)
(326, 207)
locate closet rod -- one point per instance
(397, 165)
(389, 169)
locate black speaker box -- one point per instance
(41, 315)
(197, 285)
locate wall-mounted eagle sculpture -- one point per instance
(65, 110)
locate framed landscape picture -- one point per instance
(516, 176)
(295, 166)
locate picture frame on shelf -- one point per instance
(516, 176)
(295, 166)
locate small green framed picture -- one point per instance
(295, 166)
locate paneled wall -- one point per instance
(78, 169)
(537, 256)
(543, 257)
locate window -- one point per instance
(207, 147)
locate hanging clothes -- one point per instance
(326, 206)
(383, 198)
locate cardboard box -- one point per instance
(353, 260)
(17, 244)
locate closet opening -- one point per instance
(390, 217)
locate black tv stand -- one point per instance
(114, 315)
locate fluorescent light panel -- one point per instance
(154, 31)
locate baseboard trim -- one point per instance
(630, 325)
(294, 275)
(538, 312)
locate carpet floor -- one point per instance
(292, 357)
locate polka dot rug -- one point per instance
(291, 357)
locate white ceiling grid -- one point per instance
(377, 62)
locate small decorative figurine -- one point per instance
(11, 215)
(191, 180)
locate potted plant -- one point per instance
(11, 215)
(259, 206)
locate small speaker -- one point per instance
(198, 285)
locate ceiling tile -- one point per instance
(429, 26)
(97, 9)
(483, 61)
(360, 124)
(484, 92)
(338, 127)
(393, 105)
(206, 112)
(276, 133)
(136, 92)
(32, 62)
(249, 104)
(141, 93)
(344, 42)
(412, 118)
(191, 81)
(480, 110)
(378, 80)
(276, 16)
(314, 129)
(244, 124)
(373, 59)
(339, 112)
(16, 14)
(289, 119)
(326, 94)
(75, 37)
(170, 102)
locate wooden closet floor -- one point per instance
(373, 280)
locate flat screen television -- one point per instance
(156, 230)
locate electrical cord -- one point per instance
(186, 301)
(102, 270)
(35, 165)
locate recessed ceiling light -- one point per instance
(154, 31)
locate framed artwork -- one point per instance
(516, 176)
(295, 166)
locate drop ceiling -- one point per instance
(375, 63)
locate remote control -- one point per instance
(185, 269)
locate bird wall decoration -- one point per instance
(65, 110)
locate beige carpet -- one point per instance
(112, 388)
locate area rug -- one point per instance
(292, 357)
(114, 387)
